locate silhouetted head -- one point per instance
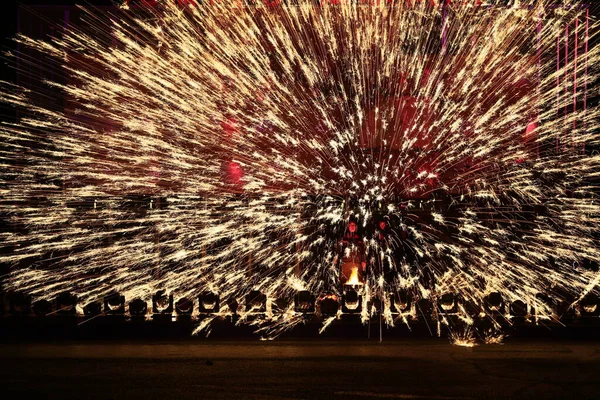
(352, 227)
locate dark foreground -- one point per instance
(325, 369)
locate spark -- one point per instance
(464, 338)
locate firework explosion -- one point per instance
(227, 148)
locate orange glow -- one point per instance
(353, 280)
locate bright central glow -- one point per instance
(353, 279)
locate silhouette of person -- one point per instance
(352, 256)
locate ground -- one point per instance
(300, 369)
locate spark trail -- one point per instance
(226, 148)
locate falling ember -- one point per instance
(227, 150)
(468, 342)
(494, 338)
(464, 337)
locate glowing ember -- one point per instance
(494, 338)
(465, 342)
(463, 337)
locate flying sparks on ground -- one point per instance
(226, 148)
